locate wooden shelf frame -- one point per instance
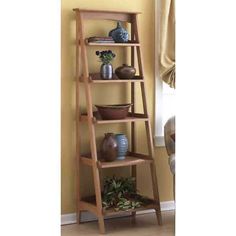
(133, 158)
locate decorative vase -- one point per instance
(125, 72)
(106, 71)
(109, 147)
(122, 143)
(119, 34)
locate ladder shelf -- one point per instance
(94, 159)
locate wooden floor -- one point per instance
(145, 225)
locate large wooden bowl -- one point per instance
(113, 112)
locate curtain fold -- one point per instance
(167, 42)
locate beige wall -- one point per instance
(115, 93)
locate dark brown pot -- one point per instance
(109, 147)
(125, 72)
(113, 112)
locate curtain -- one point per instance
(167, 42)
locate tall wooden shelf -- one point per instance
(93, 159)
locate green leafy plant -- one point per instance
(105, 56)
(121, 194)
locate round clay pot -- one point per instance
(125, 72)
(113, 112)
(109, 147)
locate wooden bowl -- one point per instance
(113, 112)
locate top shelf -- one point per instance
(129, 44)
(104, 11)
(106, 15)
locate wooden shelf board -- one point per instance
(89, 203)
(130, 160)
(129, 44)
(116, 81)
(111, 212)
(106, 15)
(105, 11)
(130, 118)
(96, 78)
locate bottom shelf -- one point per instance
(89, 204)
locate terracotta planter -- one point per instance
(109, 148)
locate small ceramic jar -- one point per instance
(109, 147)
(125, 72)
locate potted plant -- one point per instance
(106, 68)
(120, 194)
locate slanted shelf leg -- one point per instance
(155, 193)
(133, 147)
(77, 96)
(91, 128)
(153, 173)
(101, 224)
(78, 217)
(147, 125)
(134, 175)
(97, 185)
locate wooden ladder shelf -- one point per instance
(133, 159)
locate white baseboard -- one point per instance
(168, 206)
(87, 216)
(159, 141)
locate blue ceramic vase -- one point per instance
(119, 34)
(122, 143)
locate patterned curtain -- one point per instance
(167, 42)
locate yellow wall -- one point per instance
(115, 93)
